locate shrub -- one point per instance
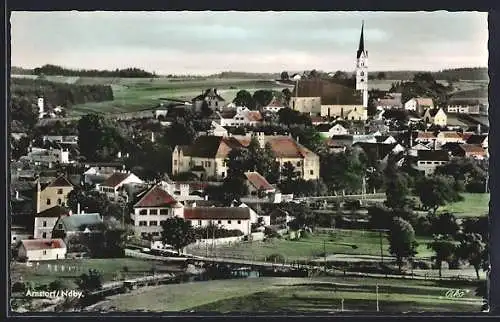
(57, 285)
(277, 258)
(18, 287)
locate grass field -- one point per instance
(108, 267)
(473, 205)
(297, 294)
(352, 242)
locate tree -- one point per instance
(263, 160)
(396, 187)
(436, 191)
(444, 248)
(285, 76)
(89, 282)
(20, 147)
(287, 95)
(262, 98)
(473, 249)
(244, 98)
(206, 111)
(288, 172)
(238, 162)
(380, 217)
(444, 224)
(402, 241)
(177, 232)
(288, 117)
(381, 75)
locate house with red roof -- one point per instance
(117, 180)
(274, 106)
(153, 207)
(207, 155)
(444, 137)
(42, 249)
(241, 116)
(53, 194)
(257, 184)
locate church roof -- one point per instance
(361, 48)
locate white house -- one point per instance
(153, 208)
(217, 130)
(42, 249)
(46, 220)
(225, 217)
(240, 117)
(117, 180)
(435, 116)
(444, 137)
(329, 131)
(274, 106)
(413, 151)
(254, 216)
(428, 161)
(419, 104)
(258, 184)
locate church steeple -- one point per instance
(361, 48)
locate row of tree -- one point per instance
(61, 71)
(260, 98)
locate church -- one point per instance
(328, 98)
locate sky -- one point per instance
(207, 42)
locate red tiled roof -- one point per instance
(215, 213)
(425, 135)
(115, 179)
(424, 101)
(60, 182)
(254, 116)
(37, 244)
(258, 181)
(473, 148)
(156, 197)
(467, 135)
(56, 211)
(275, 102)
(450, 135)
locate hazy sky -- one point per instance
(209, 42)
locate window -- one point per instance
(59, 201)
(223, 174)
(153, 223)
(44, 235)
(239, 221)
(156, 233)
(48, 201)
(163, 211)
(311, 172)
(229, 221)
(361, 74)
(153, 211)
(208, 164)
(45, 252)
(298, 164)
(362, 80)
(143, 212)
(44, 223)
(216, 103)
(60, 226)
(199, 222)
(175, 162)
(219, 222)
(59, 191)
(143, 223)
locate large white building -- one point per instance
(42, 249)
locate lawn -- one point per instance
(353, 242)
(296, 294)
(74, 268)
(139, 94)
(473, 205)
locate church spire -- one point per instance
(361, 48)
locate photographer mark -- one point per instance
(54, 294)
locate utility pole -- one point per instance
(381, 248)
(206, 242)
(324, 252)
(378, 309)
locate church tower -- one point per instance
(362, 68)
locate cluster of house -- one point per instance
(42, 233)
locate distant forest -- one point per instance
(455, 74)
(53, 70)
(25, 92)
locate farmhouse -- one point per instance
(327, 130)
(42, 249)
(274, 106)
(428, 161)
(419, 104)
(444, 137)
(240, 117)
(257, 184)
(77, 224)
